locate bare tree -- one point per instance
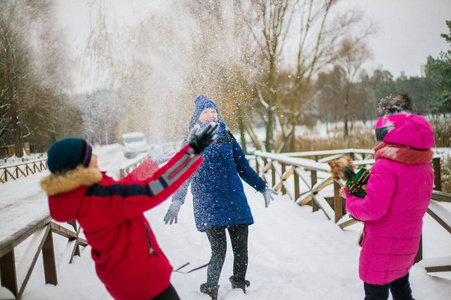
(319, 31)
(352, 54)
(270, 22)
(14, 67)
(30, 71)
(320, 36)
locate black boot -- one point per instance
(239, 284)
(210, 289)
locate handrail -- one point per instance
(298, 162)
(26, 162)
(441, 196)
(40, 231)
(330, 152)
(15, 171)
(302, 167)
(39, 165)
(18, 237)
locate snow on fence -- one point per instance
(24, 169)
(40, 232)
(312, 184)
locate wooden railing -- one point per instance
(308, 181)
(15, 171)
(40, 232)
(310, 176)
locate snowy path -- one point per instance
(293, 254)
(21, 202)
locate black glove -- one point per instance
(199, 139)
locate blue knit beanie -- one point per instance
(201, 103)
(67, 154)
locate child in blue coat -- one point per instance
(219, 200)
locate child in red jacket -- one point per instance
(127, 257)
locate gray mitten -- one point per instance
(173, 211)
(268, 195)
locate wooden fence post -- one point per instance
(77, 248)
(297, 192)
(284, 167)
(257, 166)
(273, 173)
(26, 146)
(11, 150)
(419, 255)
(48, 256)
(338, 202)
(314, 180)
(8, 272)
(265, 162)
(437, 174)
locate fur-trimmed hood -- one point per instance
(65, 182)
(66, 190)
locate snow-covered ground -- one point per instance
(293, 253)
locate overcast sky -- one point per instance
(409, 30)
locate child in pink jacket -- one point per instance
(398, 194)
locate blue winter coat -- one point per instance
(218, 194)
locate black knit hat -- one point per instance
(67, 154)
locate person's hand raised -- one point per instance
(199, 139)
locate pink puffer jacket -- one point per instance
(398, 194)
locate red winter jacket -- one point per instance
(128, 259)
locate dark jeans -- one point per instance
(218, 242)
(168, 294)
(400, 290)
